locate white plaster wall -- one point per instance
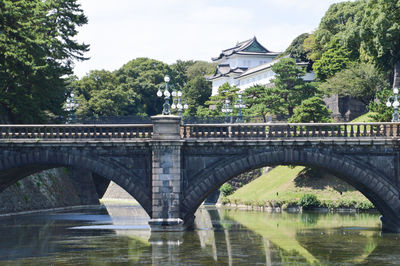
(234, 61)
(264, 78)
(245, 61)
(216, 83)
(309, 76)
(259, 78)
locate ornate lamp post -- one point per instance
(166, 106)
(70, 106)
(240, 105)
(394, 101)
(177, 97)
(227, 108)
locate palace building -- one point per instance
(245, 65)
(249, 63)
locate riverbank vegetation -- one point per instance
(286, 186)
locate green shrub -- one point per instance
(346, 203)
(225, 200)
(308, 201)
(226, 189)
(249, 202)
(260, 203)
(365, 205)
(330, 204)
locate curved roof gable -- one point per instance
(251, 46)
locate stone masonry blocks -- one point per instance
(166, 179)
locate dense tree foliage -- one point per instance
(263, 101)
(359, 80)
(289, 85)
(196, 92)
(355, 48)
(180, 69)
(216, 102)
(200, 69)
(334, 59)
(380, 32)
(312, 109)
(132, 89)
(296, 49)
(339, 27)
(37, 49)
(143, 77)
(380, 112)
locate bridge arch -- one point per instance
(16, 166)
(369, 181)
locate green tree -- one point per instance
(200, 69)
(332, 61)
(196, 92)
(91, 88)
(111, 102)
(290, 86)
(179, 72)
(216, 102)
(143, 76)
(311, 110)
(380, 32)
(341, 25)
(37, 50)
(380, 112)
(296, 49)
(359, 80)
(261, 101)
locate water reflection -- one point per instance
(119, 234)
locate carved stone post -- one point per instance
(166, 175)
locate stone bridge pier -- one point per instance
(188, 168)
(167, 193)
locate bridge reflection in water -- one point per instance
(119, 234)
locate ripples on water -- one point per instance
(119, 235)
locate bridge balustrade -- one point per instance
(38, 132)
(199, 131)
(291, 130)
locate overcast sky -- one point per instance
(168, 30)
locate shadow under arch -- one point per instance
(19, 165)
(369, 181)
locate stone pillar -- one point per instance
(166, 175)
(390, 225)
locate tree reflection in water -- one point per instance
(120, 234)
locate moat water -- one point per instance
(119, 235)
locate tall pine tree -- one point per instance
(37, 51)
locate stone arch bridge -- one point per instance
(170, 167)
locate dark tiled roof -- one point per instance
(223, 70)
(248, 47)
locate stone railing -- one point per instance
(293, 130)
(122, 131)
(202, 131)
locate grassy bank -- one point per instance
(286, 186)
(297, 186)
